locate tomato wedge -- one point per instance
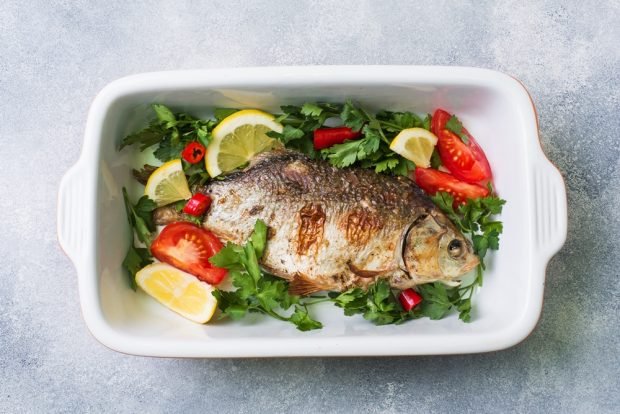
(189, 247)
(465, 161)
(439, 120)
(433, 181)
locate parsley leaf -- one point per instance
(436, 301)
(196, 173)
(144, 209)
(142, 176)
(165, 115)
(311, 109)
(167, 150)
(139, 217)
(259, 238)
(404, 167)
(147, 137)
(228, 257)
(454, 125)
(231, 304)
(351, 151)
(221, 113)
(353, 116)
(426, 122)
(386, 164)
(301, 318)
(397, 121)
(290, 133)
(135, 259)
(435, 159)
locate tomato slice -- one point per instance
(432, 181)
(189, 247)
(466, 161)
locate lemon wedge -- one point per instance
(238, 138)
(168, 184)
(179, 291)
(415, 144)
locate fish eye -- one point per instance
(455, 248)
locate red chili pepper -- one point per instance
(409, 299)
(326, 137)
(197, 205)
(193, 152)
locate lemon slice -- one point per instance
(179, 291)
(238, 138)
(168, 184)
(415, 144)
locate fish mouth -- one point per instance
(467, 267)
(470, 264)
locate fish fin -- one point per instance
(365, 273)
(303, 287)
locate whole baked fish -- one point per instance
(333, 229)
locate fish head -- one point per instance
(433, 249)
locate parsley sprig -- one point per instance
(373, 149)
(171, 132)
(257, 291)
(370, 151)
(141, 224)
(300, 122)
(377, 304)
(476, 219)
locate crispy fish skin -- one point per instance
(333, 229)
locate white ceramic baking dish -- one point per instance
(496, 108)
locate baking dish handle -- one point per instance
(550, 210)
(70, 220)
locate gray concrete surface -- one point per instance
(56, 55)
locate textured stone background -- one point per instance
(56, 55)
